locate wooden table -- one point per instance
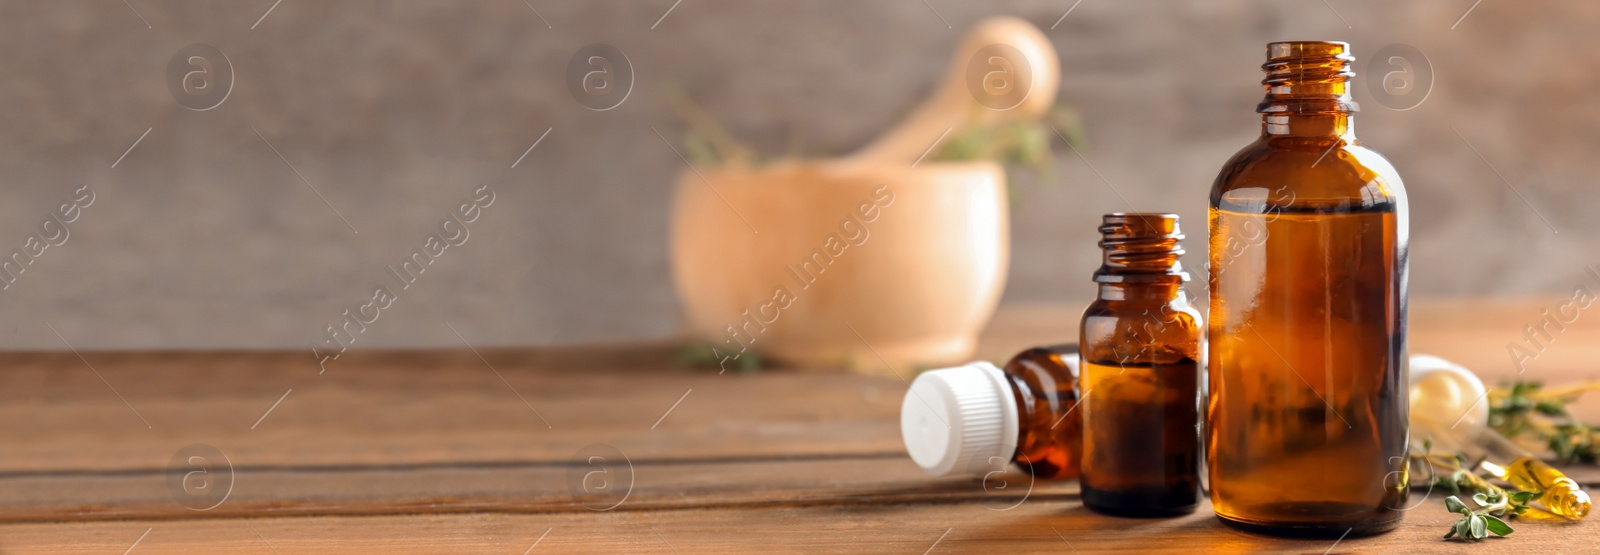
(444, 451)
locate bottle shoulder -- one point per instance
(1104, 316)
(1141, 332)
(1310, 173)
(1049, 367)
(1178, 306)
(1043, 375)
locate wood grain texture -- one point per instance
(519, 487)
(433, 451)
(1052, 526)
(425, 407)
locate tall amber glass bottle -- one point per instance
(1140, 383)
(1306, 416)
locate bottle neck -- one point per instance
(1307, 91)
(1140, 249)
(1152, 293)
(1310, 125)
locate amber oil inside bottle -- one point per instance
(1140, 345)
(1306, 416)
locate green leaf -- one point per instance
(1447, 483)
(1499, 527)
(1427, 446)
(750, 363)
(1455, 505)
(1451, 533)
(1477, 527)
(1525, 496)
(1562, 446)
(700, 150)
(1551, 407)
(1523, 388)
(1480, 499)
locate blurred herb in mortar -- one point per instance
(1014, 143)
(1017, 143)
(707, 142)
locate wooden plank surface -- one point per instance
(447, 451)
(1052, 526)
(421, 407)
(515, 488)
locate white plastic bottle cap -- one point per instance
(957, 420)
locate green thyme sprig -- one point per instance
(1019, 143)
(707, 142)
(1476, 524)
(1494, 503)
(1527, 411)
(705, 356)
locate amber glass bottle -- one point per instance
(975, 418)
(1141, 343)
(1306, 417)
(1044, 381)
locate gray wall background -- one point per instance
(395, 110)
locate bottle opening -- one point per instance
(1140, 246)
(1307, 49)
(1308, 76)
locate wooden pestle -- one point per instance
(1015, 78)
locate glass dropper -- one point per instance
(1449, 406)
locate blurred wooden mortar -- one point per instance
(881, 261)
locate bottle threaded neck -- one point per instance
(1140, 247)
(1308, 76)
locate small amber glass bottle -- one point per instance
(1141, 346)
(975, 418)
(1306, 417)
